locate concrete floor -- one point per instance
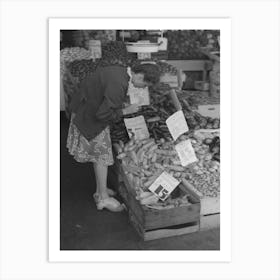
(82, 227)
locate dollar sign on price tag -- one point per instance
(177, 124)
(164, 185)
(186, 152)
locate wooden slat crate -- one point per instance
(209, 208)
(209, 221)
(154, 224)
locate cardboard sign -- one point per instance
(95, 49)
(137, 127)
(164, 185)
(186, 152)
(139, 96)
(177, 124)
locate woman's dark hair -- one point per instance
(151, 72)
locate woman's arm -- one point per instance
(115, 89)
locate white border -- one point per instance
(55, 255)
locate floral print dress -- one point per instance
(98, 150)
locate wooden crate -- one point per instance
(154, 224)
(209, 221)
(209, 208)
(208, 205)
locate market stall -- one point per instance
(168, 151)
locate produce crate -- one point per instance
(209, 208)
(209, 221)
(154, 224)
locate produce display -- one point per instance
(144, 160)
(112, 53)
(103, 35)
(166, 68)
(197, 121)
(185, 44)
(155, 116)
(195, 98)
(214, 147)
(204, 175)
(115, 53)
(71, 54)
(82, 68)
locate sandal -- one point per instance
(111, 204)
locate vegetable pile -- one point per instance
(144, 160)
(155, 116)
(195, 98)
(185, 44)
(82, 68)
(204, 175)
(197, 121)
(71, 54)
(166, 68)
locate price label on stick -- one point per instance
(186, 152)
(177, 124)
(137, 127)
(164, 185)
(139, 96)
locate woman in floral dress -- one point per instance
(97, 103)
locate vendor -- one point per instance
(96, 104)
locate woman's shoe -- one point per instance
(111, 204)
(110, 193)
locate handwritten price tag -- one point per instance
(177, 124)
(164, 185)
(137, 127)
(186, 152)
(139, 96)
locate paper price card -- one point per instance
(177, 124)
(139, 96)
(164, 185)
(137, 127)
(186, 152)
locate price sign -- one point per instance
(177, 124)
(137, 127)
(139, 96)
(186, 152)
(164, 185)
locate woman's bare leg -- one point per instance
(101, 172)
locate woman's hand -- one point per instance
(130, 109)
